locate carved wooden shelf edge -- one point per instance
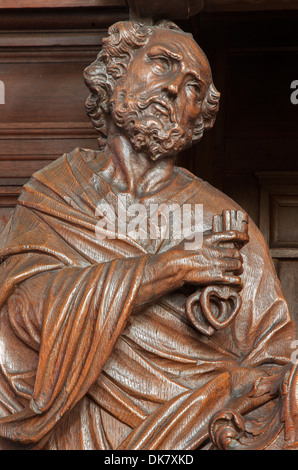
(61, 3)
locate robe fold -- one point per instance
(80, 368)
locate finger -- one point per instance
(232, 235)
(231, 253)
(233, 265)
(232, 280)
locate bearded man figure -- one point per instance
(98, 349)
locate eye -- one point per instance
(194, 89)
(160, 65)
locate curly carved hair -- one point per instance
(111, 64)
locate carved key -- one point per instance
(200, 307)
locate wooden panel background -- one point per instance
(44, 115)
(60, 3)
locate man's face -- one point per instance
(159, 101)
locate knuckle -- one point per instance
(239, 265)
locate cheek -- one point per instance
(140, 81)
(195, 109)
(191, 110)
(189, 106)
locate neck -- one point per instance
(135, 172)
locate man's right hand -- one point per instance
(213, 262)
(210, 264)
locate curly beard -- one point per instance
(151, 123)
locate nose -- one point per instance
(173, 87)
(172, 90)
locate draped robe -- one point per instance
(81, 369)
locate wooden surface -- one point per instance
(60, 20)
(176, 9)
(38, 66)
(209, 5)
(60, 3)
(114, 316)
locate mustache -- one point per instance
(135, 104)
(161, 103)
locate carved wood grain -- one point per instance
(28, 144)
(60, 3)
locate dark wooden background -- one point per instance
(251, 154)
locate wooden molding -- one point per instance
(279, 193)
(60, 19)
(284, 253)
(9, 195)
(60, 3)
(51, 39)
(159, 8)
(66, 130)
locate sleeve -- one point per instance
(291, 409)
(67, 317)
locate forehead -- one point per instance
(181, 45)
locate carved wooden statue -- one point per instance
(119, 330)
